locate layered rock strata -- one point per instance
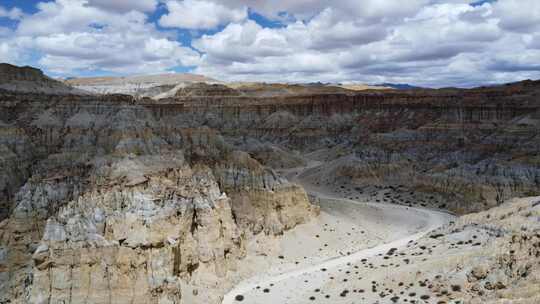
(114, 198)
(107, 204)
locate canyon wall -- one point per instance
(109, 199)
(476, 148)
(104, 203)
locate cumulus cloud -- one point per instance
(13, 49)
(79, 35)
(533, 41)
(5, 53)
(425, 42)
(244, 42)
(518, 15)
(5, 32)
(110, 51)
(329, 30)
(368, 10)
(197, 14)
(125, 5)
(435, 43)
(13, 14)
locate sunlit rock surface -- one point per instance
(113, 199)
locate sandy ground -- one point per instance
(323, 257)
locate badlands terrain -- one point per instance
(183, 189)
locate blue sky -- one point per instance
(427, 42)
(28, 6)
(185, 36)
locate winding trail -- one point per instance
(293, 282)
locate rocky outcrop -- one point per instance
(16, 152)
(114, 205)
(474, 147)
(202, 89)
(10, 73)
(492, 256)
(486, 257)
(147, 227)
(30, 80)
(477, 165)
(139, 85)
(271, 213)
(114, 198)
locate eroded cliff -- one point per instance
(107, 204)
(112, 199)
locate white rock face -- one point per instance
(132, 241)
(155, 86)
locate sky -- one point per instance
(435, 43)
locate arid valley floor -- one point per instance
(185, 189)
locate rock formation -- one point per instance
(140, 85)
(115, 198)
(31, 80)
(104, 203)
(487, 257)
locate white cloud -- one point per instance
(533, 41)
(440, 32)
(425, 42)
(117, 52)
(6, 54)
(5, 32)
(518, 15)
(244, 42)
(14, 49)
(14, 13)
(63, 16)
(73, 35)
(368, 10)
(200, 14)
(429, 44)
(248, 41)
(125, 5)
(329, 30)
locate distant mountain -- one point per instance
(362, 87)
(398, 86)
(158, 79)
(139, 85)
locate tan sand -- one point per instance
(385, 226)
